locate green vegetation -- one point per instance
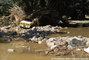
(76, 9)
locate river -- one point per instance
(81, 31)
(4, 55)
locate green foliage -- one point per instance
(73, 8)
(4, 7)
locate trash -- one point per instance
(25, 24)
(39, 42)
(58, 49)
(52, 47)
(39, 31)
(86, 50)
(50, 44)
(76, 42)
(11, 50)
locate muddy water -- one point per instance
(82, 31)
(4, 55)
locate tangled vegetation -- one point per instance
(76, 9)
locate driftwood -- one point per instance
(18, 13)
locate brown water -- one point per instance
(82, 31)
(4, 55)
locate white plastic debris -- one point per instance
(86, 50)
(50, 44)
(39, 42)
(52, 47)
(11, 50)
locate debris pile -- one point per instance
(64, 45)
(60, 49)
(32, 32)
(72, 41)
(57, 45)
